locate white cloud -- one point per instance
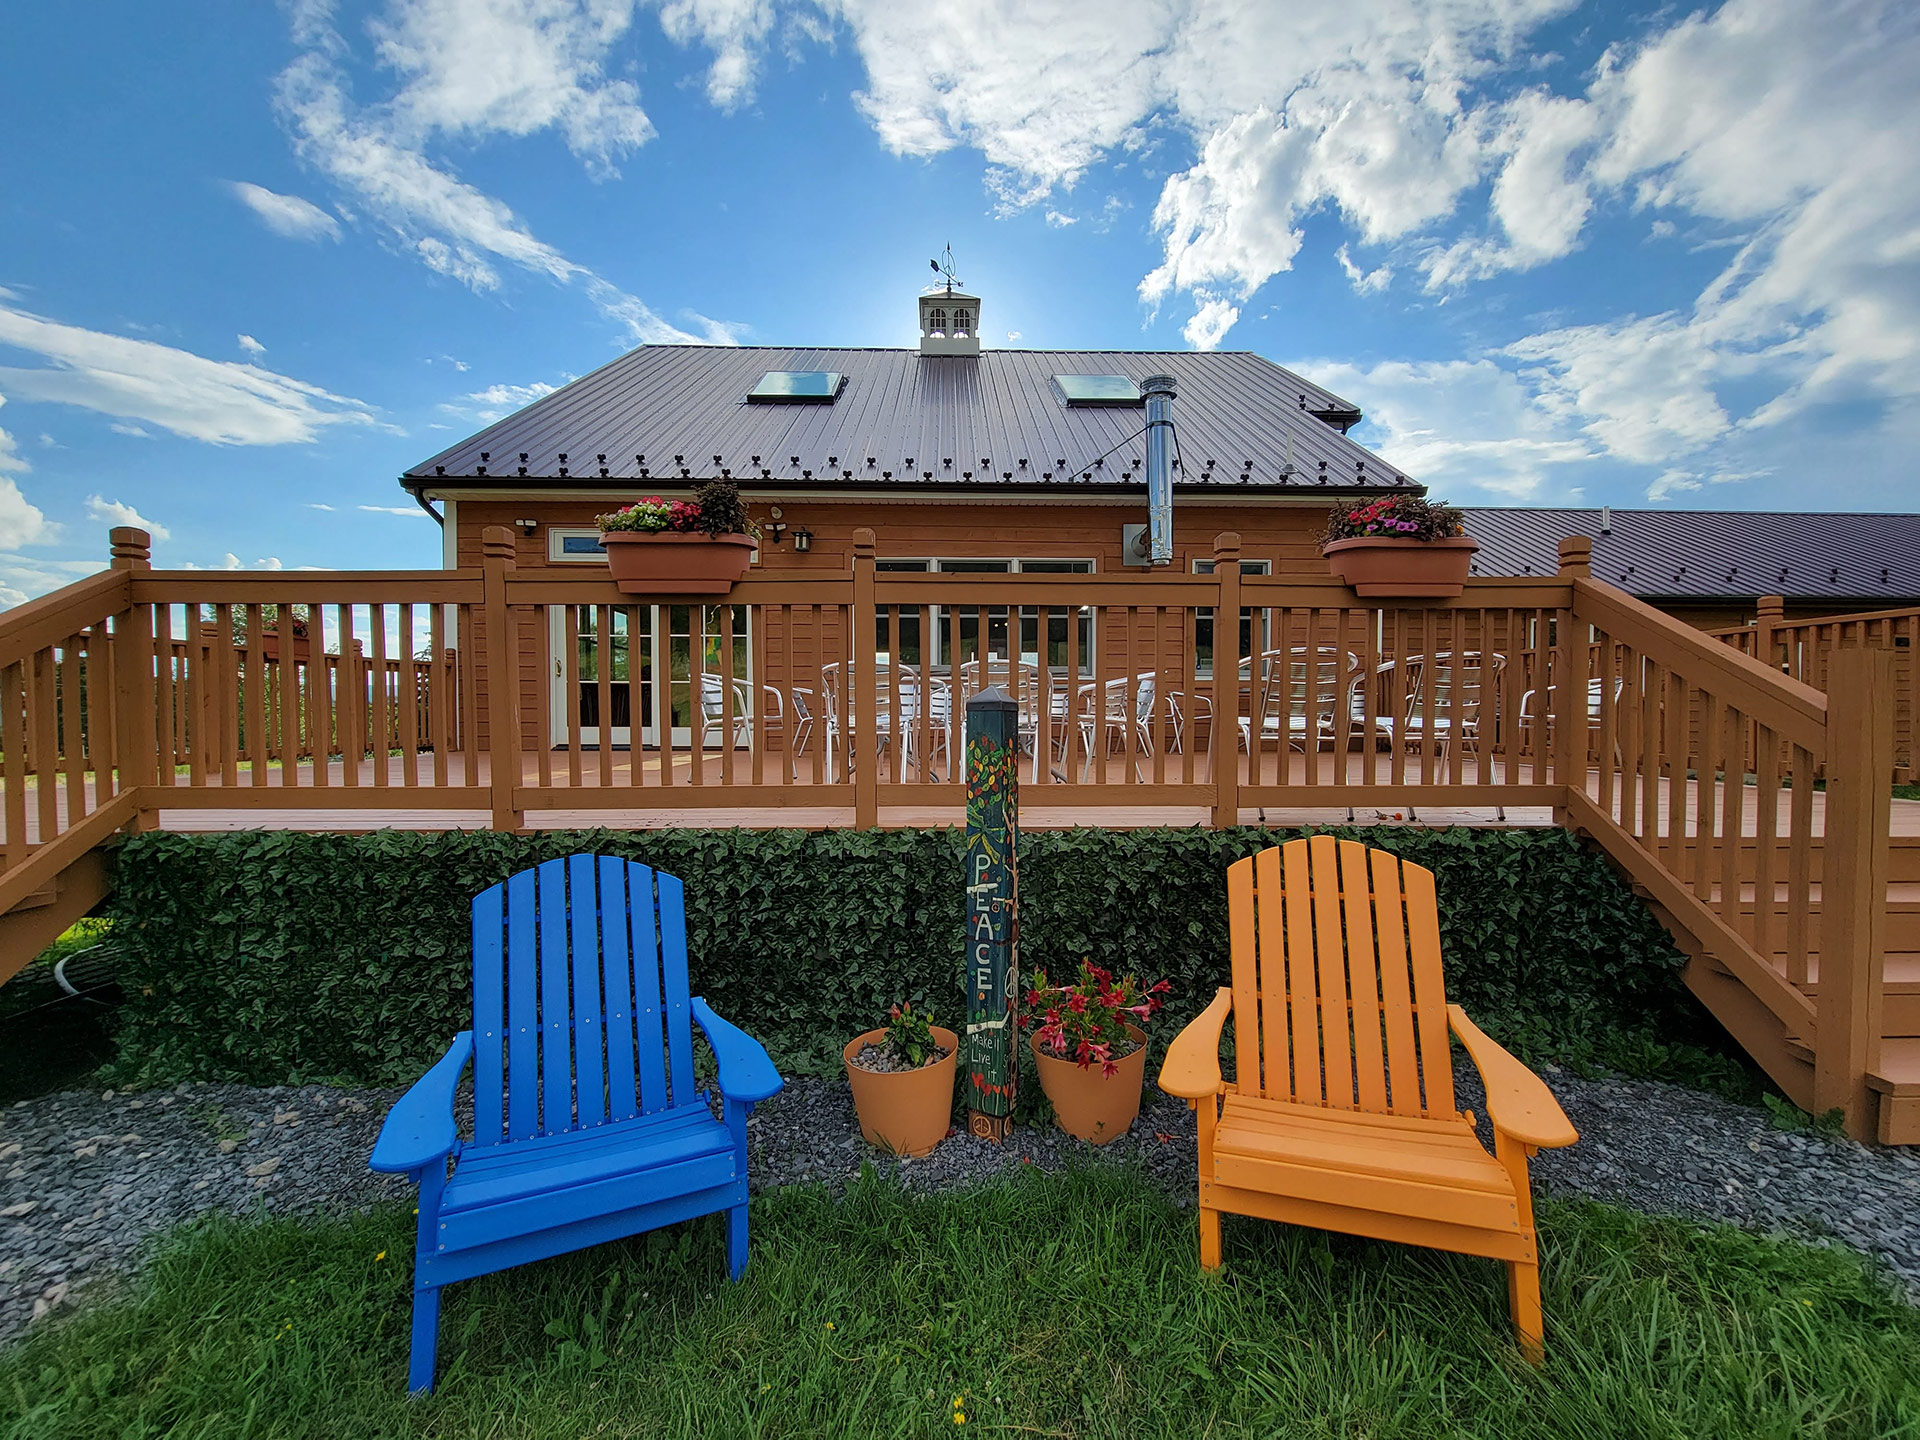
(490, 404)
(112, 512)
(1012, 335)
(1364, 282)
(21, 521)
(1470, 429)
(733, 30)
(121, 427)
(471, 69)
(287, 215)
(1211, 322)
(220, 401)
(10, 456)
(252, 346)
(231, 561)
(411, 512)
(1641, 388)
(1059, 221)
(317, 505)
(1670, 483)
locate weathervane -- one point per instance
(944, 266)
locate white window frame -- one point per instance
(1016, 565)
(1261, 633)
(557, 537)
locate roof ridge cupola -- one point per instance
(949, 315)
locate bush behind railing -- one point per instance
(277, 957)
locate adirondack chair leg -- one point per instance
(1209, 1239)
(426, 1335)
(736, 1241)
(1523, 1294)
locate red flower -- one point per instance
(1078, 1004)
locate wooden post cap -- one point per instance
(132, 548)
(1576, 555)
(1226, 545)
(497, 543)
(1771, 605)
(863, 544)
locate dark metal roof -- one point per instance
(941, 421)
(1713, 554)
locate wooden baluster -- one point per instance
(43, 741)
(860, 694)
(1225, 740)
(1070, 706)
(1733, 810)
(1707, 844)
(351, 706)
(1371, 620)
(407, 701)
(1800, 866)
(379, 719)
(543, 719)
(289, 696)
(1765, 842)
(572, 681)
(73, 757)
(437, 692)
(13, 750)
(726, 694)
(165, 697)
(603, 686)
(503, 710)
(757, 667)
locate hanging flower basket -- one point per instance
(680, 547)
(663, 563)
(1402, 546)
(1379, 567)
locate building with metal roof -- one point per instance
(1701, 562)
(901, 420)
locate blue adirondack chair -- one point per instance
(587, 1126)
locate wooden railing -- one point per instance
(840, 699)
(1804, 648)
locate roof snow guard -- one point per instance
(666, 415)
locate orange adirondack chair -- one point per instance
(1342, 1116)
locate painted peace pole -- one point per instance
(993, 913)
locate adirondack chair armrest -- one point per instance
(746, 1074)
(419, 1130)
(1192, 1067)
(1518, 1101)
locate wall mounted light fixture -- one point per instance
(803, 540)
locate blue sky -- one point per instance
(255, 259)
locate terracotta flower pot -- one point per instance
(1377, 566)
(906, 1112)
(1088, 1104)
(666, 563)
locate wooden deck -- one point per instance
(372, 801)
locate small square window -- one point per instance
(785, 387)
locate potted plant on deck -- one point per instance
(1399, 545)
(902, 1079)
(680, 547)
(1091, 1049)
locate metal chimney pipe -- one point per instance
(1158, 390)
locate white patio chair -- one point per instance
(1299, 695)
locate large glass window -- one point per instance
(957, 637)
(1250, 628)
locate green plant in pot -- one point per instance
(1090, 1047)
(1399, 545)
(700, 546)
(902, 1079)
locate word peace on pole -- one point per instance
(993, 913)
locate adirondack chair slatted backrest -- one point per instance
(1338, 998)
(579, 999)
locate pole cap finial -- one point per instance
(1576, 555)
(130, 547)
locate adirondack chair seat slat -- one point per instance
(1341, 1114)
(537, 1211)
(647, 1146)
(587, 1123)
(1427, 1151)
(616, 1135)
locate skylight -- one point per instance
(788, 386)
(1097, 389)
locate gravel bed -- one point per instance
(87, 1178)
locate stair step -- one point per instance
(1898, 1072)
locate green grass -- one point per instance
(1067, 1307)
